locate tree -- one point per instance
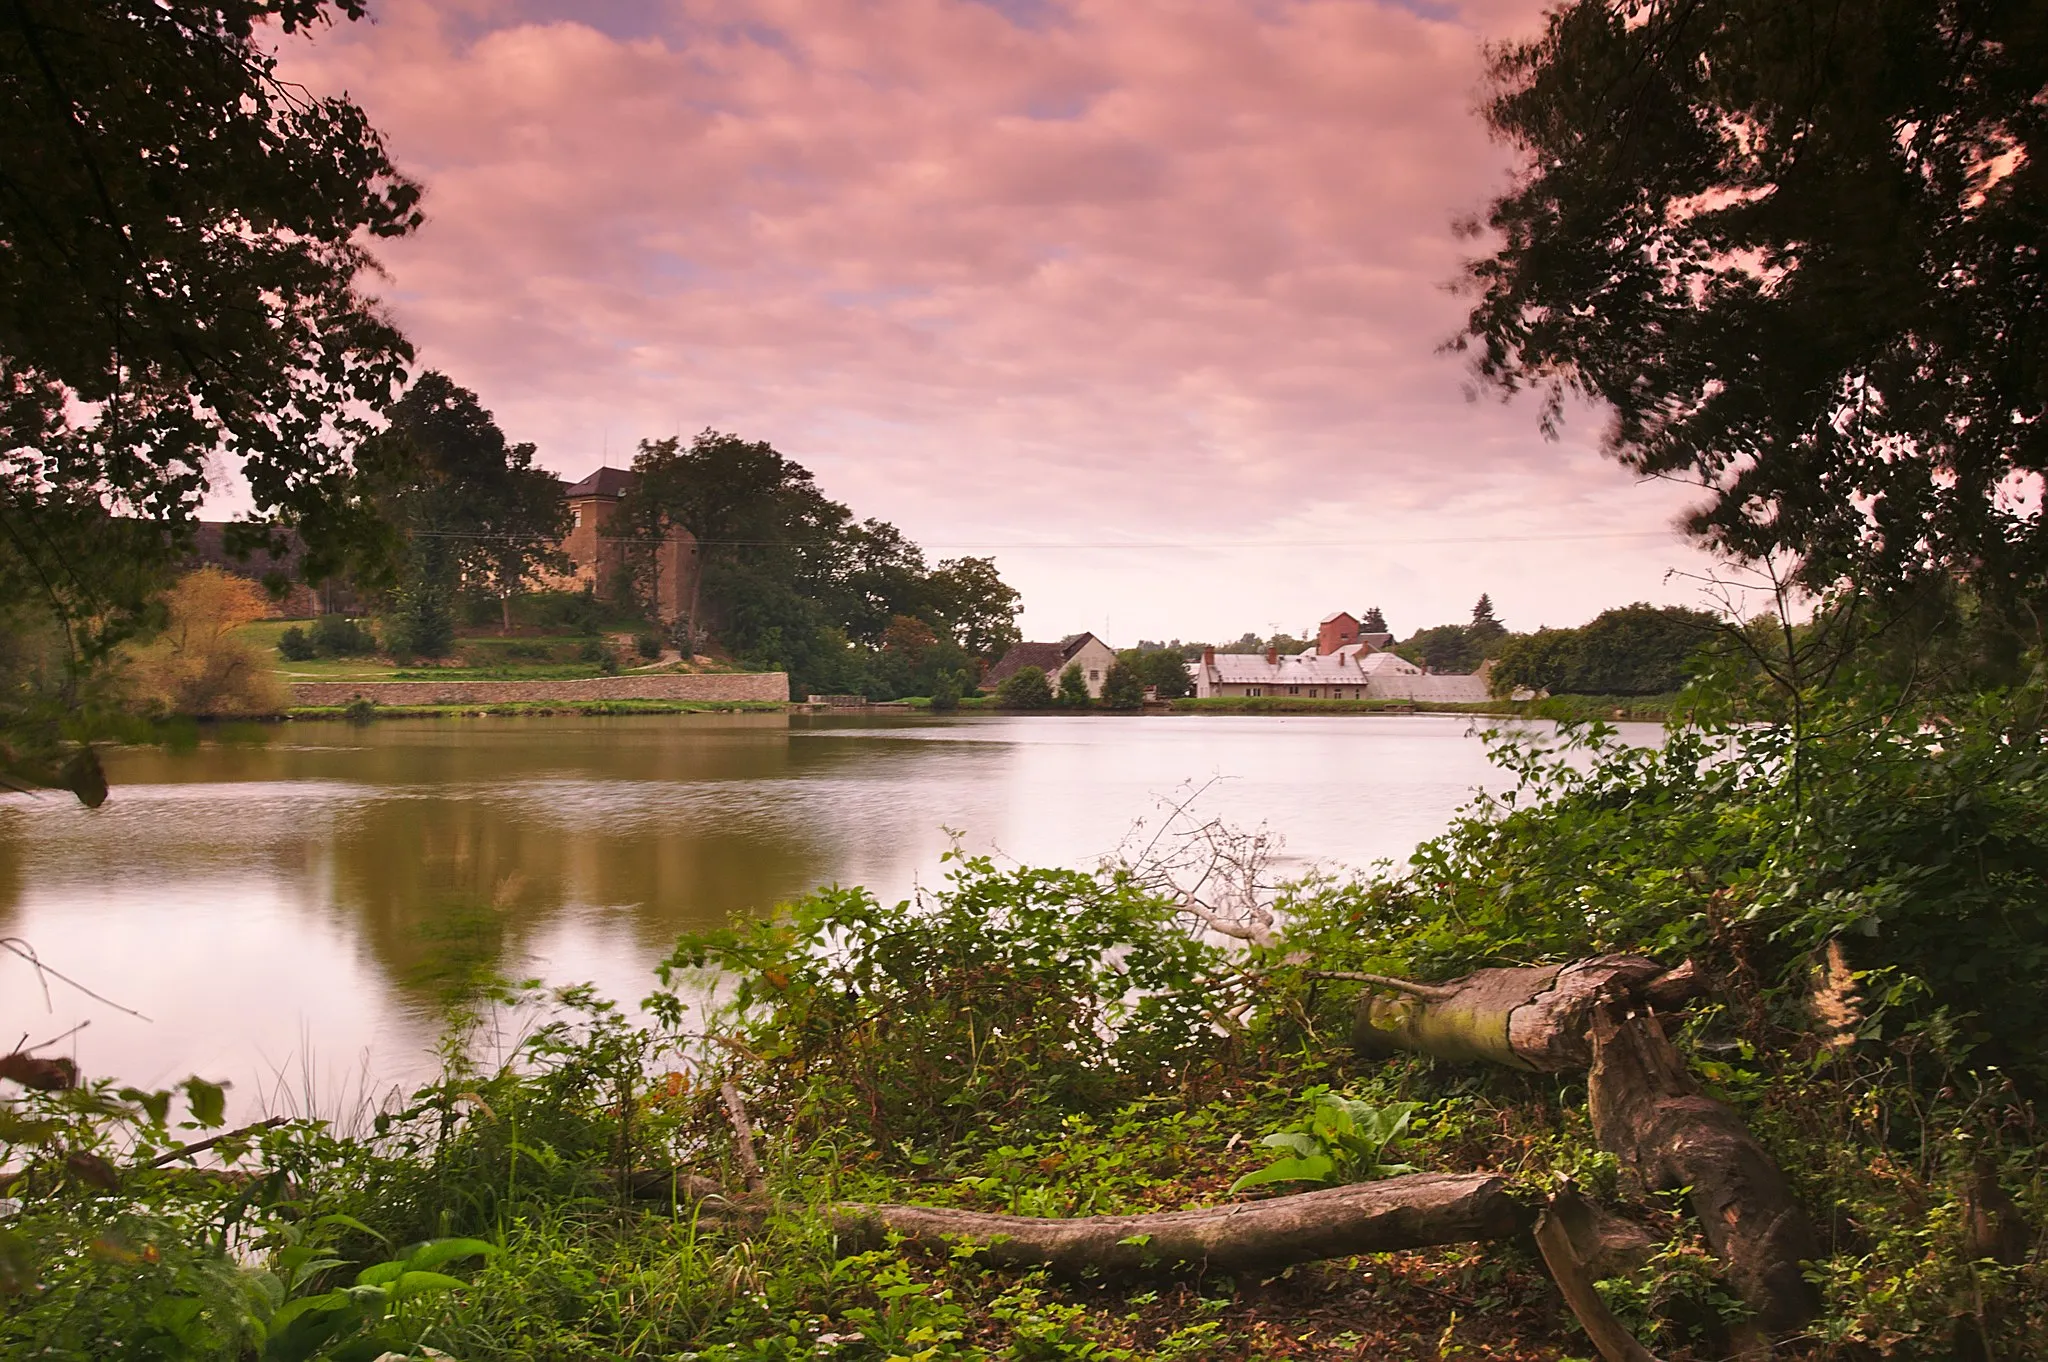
(1486, 626)
(1124, 686)
(197, 666)
(1159, 667)
(1794, 249)
(976, 605)
(1374, 622)
(1448, 648)
(180, 244)
(1637, 649)
(1025, 688)
(181, 240)
(1073, 689)
(477, 514)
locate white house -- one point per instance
(1351, 671)
(1089, 653)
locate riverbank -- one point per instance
(1561, 708)
(531, 709)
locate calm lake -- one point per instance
(284, 907)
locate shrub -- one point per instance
(946, 694)
(1074, 991)
(294, 646)
(647, 644)
(340, 636)
(1073, 692)
(1024, 688)
(197, 666)
(1123, 688)
(422, 623)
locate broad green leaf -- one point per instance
(435, 1252)
(424, 1283)
(1316, 1168)
(1304, 1145)
(209, 1101)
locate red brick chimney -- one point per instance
(1272, 657)
(1208, 657)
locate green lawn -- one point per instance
(479, 658)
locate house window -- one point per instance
(576, 518)
(1294, 690)
(1094, 674)
(1252, 691)
(1312, 693)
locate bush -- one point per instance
(946, 694)
(422, 623)
(1073, 692)
(196, 666)
(1074, 991)
(1024, 688)
(1123, 688)
(647, 644)
(294, 646)
(340, 636)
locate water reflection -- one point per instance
(300, 897)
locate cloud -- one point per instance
(1101, 270)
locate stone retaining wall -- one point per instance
(661, 686)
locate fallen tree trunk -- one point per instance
(1646, 1110)
(1255, 1236)
(1533, 1018)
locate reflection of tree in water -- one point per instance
(442, 887)
(11, 838)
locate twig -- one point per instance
(61, 1035)
(201, 1146)
(1256, 932)
(28, 953)
(1433, 992)
(743, 1136)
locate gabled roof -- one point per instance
(1338, 615)
(605, 482)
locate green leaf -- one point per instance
(1307, 1146)
(424, 1283)
(209, 1101)
(435, 1252)
(1316, 1168)
(156, 1105)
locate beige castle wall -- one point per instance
(772, 686)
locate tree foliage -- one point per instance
(1025, 688)
(1637, 649)
(1794, 248)
(790, 579)
(473, 511)
(196, 665)
(181, 238)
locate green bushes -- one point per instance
(330, 636)
(1013, 996)
(1025, 688)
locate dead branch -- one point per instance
(1574, 1277)
(1257, 1236)
(743, 1136)
(1432, 991)
(185, 1151)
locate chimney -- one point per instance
(1272, 657)
(1208, 657)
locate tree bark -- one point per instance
(1646, 1110)
(1532, 1018)
(1257, 1236)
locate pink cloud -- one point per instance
(1139, 270)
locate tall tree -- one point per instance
(181, 239)
(1486, 625)
(479, 514)
(1794, 248)
(979, 609)
(1374, 622)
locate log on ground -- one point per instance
(1646, 1110)
(1416, 1211)
(1533, 1018)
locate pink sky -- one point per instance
(1014, 276)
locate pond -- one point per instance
(287, 905)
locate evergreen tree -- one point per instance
(1374, 622)
(1073, 687)
(1486, 626)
